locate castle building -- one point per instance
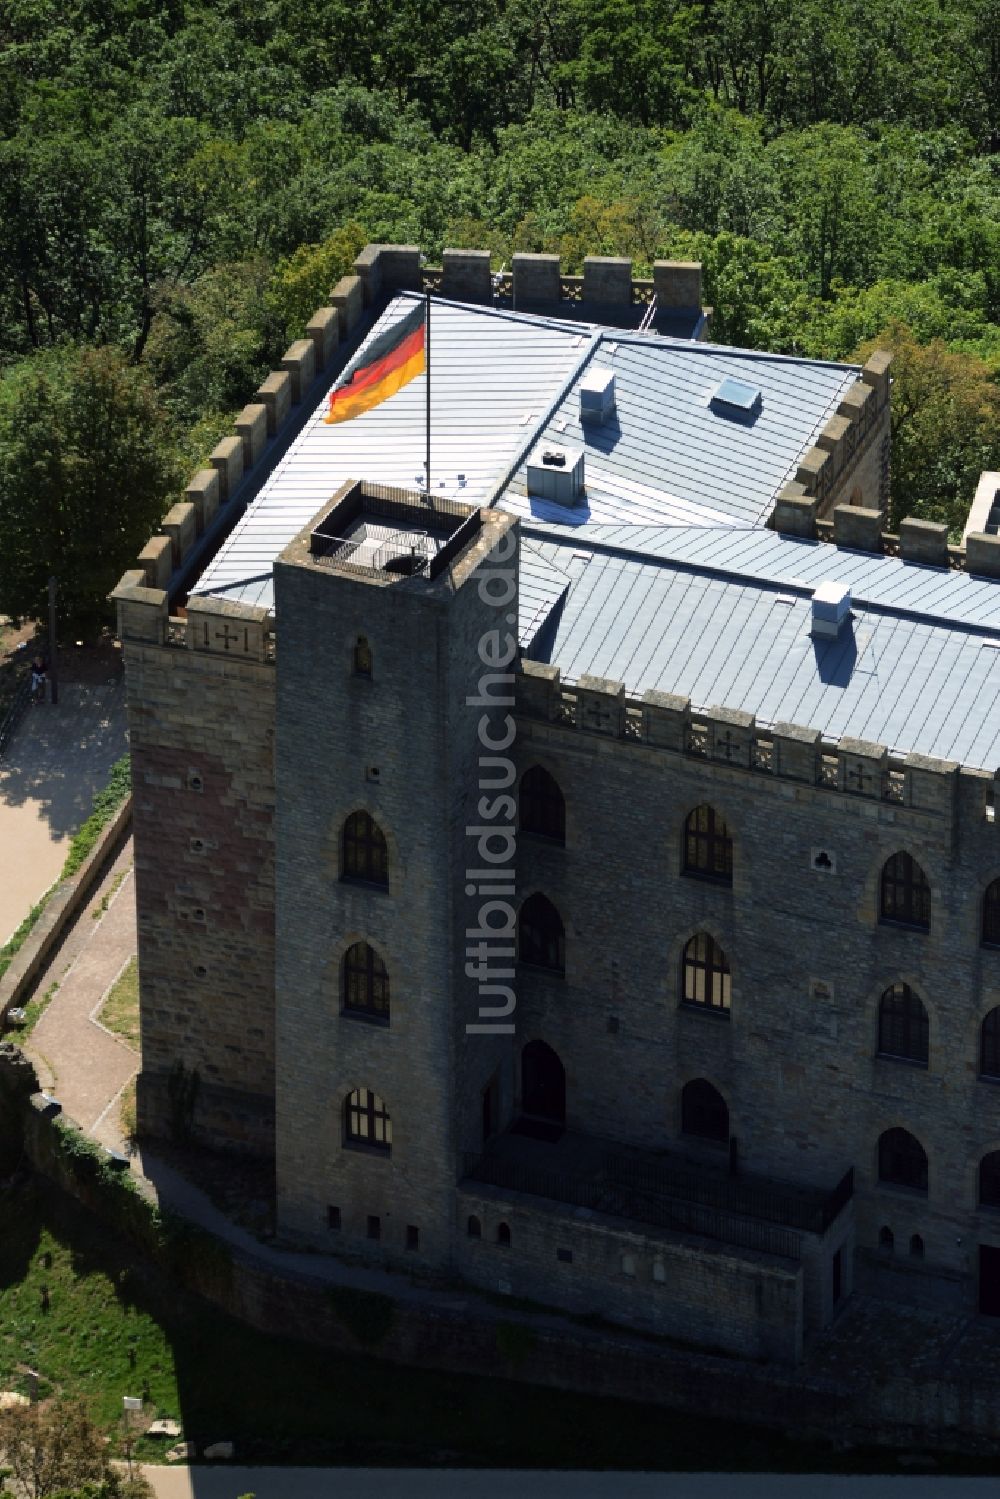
(577, 867)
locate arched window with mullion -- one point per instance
(365, 858)
(904, 893)
(365, 984)
(902, 1025)
(367, 1122)
(706, 979)
(708, 847)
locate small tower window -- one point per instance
(542, 935)
(542, 807)
(706, 980)
(364, 853)
(367, 1122)
(902, 1160)
(503, 1234)
(991, 915)
(989, 1180)
(708, 848)
(989, 1045)
(905, 895)
(704, 1111)
(902, 1025)
(886, 1240)
(362, 657)
(916, 1246)
(365, 983)
(474, 1227)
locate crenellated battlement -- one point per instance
(859, 529)
(731, 738)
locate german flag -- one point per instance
(393, 360)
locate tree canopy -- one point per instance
(180, 180)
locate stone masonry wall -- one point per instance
(201, 729)
(399, 745)
(688, 1288)
(796, 1060)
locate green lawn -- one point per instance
(120, 1011)
(116, 1327)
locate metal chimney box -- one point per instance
(556, 473)
(831, 610)
(597, 395)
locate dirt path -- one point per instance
(85, 1066)
(58, 759)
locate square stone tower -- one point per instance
(387, 626)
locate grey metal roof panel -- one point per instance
(797, 565)
(912, 685)
(667, 457)
(495, 376)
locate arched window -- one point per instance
(503, 1234)
(365, 856)
(366, 1121)
(474, 1228)
(543, 1083)
(991, 915)
(705, 975)
(542, 937)
(905, 895)
(902, 1025)
(886, 1240)
(989, 1180)
(916, 1246)
(704, 1111)
(361, 657)
(364, 983)
(902, 1160)
(989, 1045)
(708, 848)
(542, 807)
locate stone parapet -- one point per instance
(348, 298)
(142, 612)
(227, 460)
(857, 528)
(677, 283)
(299, 364)
(323, 332)
(983, 555)
(465, 276)
(607, 279)
(794, 512)
(180, 524)
(227, 628)
(203, 493)
(251, 429)
(536, 280)
(156, 561)
(730, 738)
(384, 269)
(924, 541)
(275, 395)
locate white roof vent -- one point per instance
(736, 398)
(597, 395)
(556, 473)
(831, 610)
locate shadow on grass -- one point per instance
(115, 1326)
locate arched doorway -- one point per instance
(543, 1084)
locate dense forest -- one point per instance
(181, 183)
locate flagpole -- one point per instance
(427, 367)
